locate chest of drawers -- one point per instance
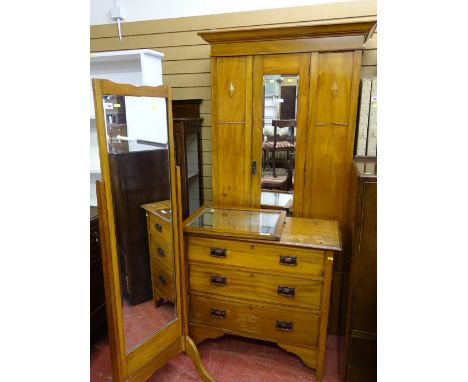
(159, 227)
(273, 290)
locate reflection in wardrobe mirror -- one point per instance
(279, 138)
(138, 153)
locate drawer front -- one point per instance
(281, 325)
(269, 257)
(162, 250)
(161, 228)
(162, 279)
(255, 286)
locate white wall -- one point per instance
(138, 10)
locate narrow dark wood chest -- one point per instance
(360, 345)
(137, 177)
(187, 137)
(97, 298)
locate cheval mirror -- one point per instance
(140, 222)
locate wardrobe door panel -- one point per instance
(232, 124)
(335, 71)
(230, 89)
(330, 134)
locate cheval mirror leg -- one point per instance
(192, 351)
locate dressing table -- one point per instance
(260, 274)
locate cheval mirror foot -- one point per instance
(140, 216)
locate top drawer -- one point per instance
(161, 228)
(268, 257)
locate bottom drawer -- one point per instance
(163, 281)
(265, 322)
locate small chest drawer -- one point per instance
(160, 227)
(282, 325)
(255, 286)
(162, 250)
(163, 279)
(269, 257)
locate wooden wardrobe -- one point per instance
(327, 61)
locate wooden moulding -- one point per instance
(296, 39)
(286, 33)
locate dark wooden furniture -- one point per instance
(187, 137)
(131, 189)
(97, 297)
(360, 350)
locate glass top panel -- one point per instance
(277, 199)
(249, 222)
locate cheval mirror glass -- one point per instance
(138, 155)
(278, 140)
(143, 273)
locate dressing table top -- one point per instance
(161, 209)
(247, 224)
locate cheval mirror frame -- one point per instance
(151, 354)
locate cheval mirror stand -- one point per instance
(122, 133)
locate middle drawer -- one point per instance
(162, 250)
(255, 286)
(163, 281)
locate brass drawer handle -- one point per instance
(160, 251)
(219, 313)
(158, 227)
(218, 252)
(286, 291)
(288, 260)
(162, 279)
(286, 326)
(218, 280)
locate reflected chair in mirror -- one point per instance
(280, 182)
(279, 143)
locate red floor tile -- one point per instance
(230, 359)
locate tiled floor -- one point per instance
(229, 359)
(142, 320)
